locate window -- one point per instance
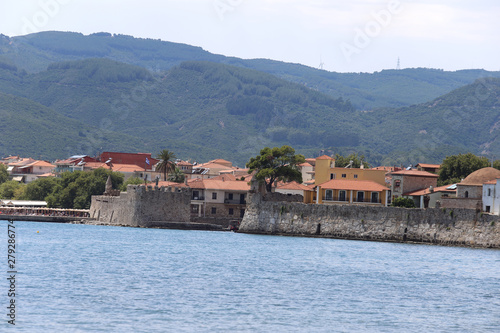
(342, 195)
(466, 194)
(230, 196)
(489, 192)
(397, 183)
(355, 176)
(214, 195)
(374, 197)
(332, 176)
(344, 175)
(214, 210)
(231, 211)
(361, 197)
(329, 195)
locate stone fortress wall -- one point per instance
(143, 207)
(462, 227)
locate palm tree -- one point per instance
(166, 164)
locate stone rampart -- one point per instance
(143, 207)
(463, 227)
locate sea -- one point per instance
(85, 278)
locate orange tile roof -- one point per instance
(427, 191)
(305, 164)
(209, 184)
(42, 163)
(415, 173)
(292, 186)
(324, 157)
(47, 175)
(354, 185)
(432, 166)
(184, 163)
(492, 182)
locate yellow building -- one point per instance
(325, 170)
(338, 191)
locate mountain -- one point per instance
(30, 129)
(366, 91)
(202, 110)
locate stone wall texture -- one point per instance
(461, 227)
(143, 207)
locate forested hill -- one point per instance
(387, 88)
(203, 110)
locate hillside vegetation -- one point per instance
(387, 88)
(202, 110)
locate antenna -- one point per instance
(398, 67)
(321, 63)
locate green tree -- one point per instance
(166, 164)
(40, 188)
(456, 167)
(276, 164)
(76, 189)
(341, 161)
(403, 202)
(9, 188)
(177, 176)
(4, 174)
(131, 181)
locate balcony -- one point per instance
(198, 198)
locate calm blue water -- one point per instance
(78, 278)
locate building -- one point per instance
(219, 197)
(343, 191)
(470, 190)
(432, 168)
(27, 170)
(73, 163)
(427, 198)
(325, 170)
(307, 171)
(405, 182)
(293, 188)
(491, 197)
(142, 160)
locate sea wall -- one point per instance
(463, 227)
(143, 207)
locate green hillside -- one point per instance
(31, 129)
(204, 110)
(388, 88)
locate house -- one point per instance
(293, 188)
(72, 163)
(491, 197)
(405, 182)
(428, 197)
(344, 191)
(212, 169)
(185, 167)
(142, 160)
(219, 197)
(432, 168)
(325, 170)
(307, 171)
(27, 170)
(470, 190)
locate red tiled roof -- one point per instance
(491, 182)
(184, 163)
(324, 157)
(414, 173)
(292, 186)
(427, 191)
(305, 164)
(354, 185)
(431, 166)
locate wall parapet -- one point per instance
(461, 227)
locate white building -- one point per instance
(491, 197)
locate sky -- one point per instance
(340, 36)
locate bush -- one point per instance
(403, 202)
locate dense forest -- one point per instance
(207, 109)
(366, 91)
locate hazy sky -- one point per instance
(346, 36)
